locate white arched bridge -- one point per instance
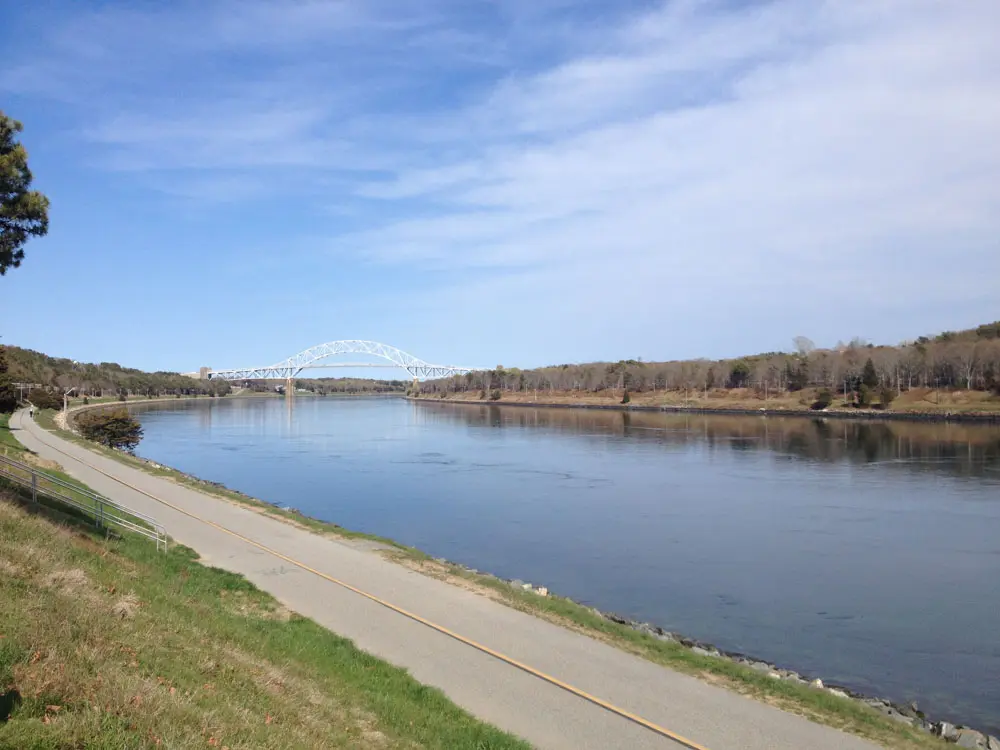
(291, 367)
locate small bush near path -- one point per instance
(114, 429)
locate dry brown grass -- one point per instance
(126, 607)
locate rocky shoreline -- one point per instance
(908, 714)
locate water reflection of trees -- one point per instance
(962, 449)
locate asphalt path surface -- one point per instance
(543, 705)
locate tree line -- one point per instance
(324, 386)
(967, 359)
(58, 374)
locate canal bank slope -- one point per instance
(323, 578)
(982, 410)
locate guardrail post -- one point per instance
(89, 503)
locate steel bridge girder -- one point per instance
(292, 366)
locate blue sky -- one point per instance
(521, 182)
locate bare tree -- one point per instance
(804, 345)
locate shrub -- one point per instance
(886, 395)
(86, 400)
(495, 395)
(114, 429)
(122, 397)
(823, 399)
(626, 398)
(45, 400)
(482, 395)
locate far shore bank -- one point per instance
(839, 413)
(78, 407)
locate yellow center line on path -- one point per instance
(663, 731)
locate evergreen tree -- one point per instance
(864, 395)
(797, 376)
(24, 213)
(115, 428)
(8, 394)
(868, 375)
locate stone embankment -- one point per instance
(909, 714)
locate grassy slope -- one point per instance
(8, 444)
(12, 449)
(110, 644)
(818, 705)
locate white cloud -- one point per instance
(854, 137)
(692, 153)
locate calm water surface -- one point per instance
(866, 554)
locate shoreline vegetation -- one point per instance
(922, 405)
(109, 381)
(953, 375)
(882, 721)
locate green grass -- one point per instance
(11, 448)
(818, 705)
(107, 643)
(8, 443)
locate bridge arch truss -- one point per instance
(292, 366)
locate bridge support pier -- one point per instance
(289, 387)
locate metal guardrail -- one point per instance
(104, 512)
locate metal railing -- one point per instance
(105, 513)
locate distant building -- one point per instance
(202, 373)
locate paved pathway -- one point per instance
(542, 713)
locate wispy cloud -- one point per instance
(676, 152)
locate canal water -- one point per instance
(867, 554)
